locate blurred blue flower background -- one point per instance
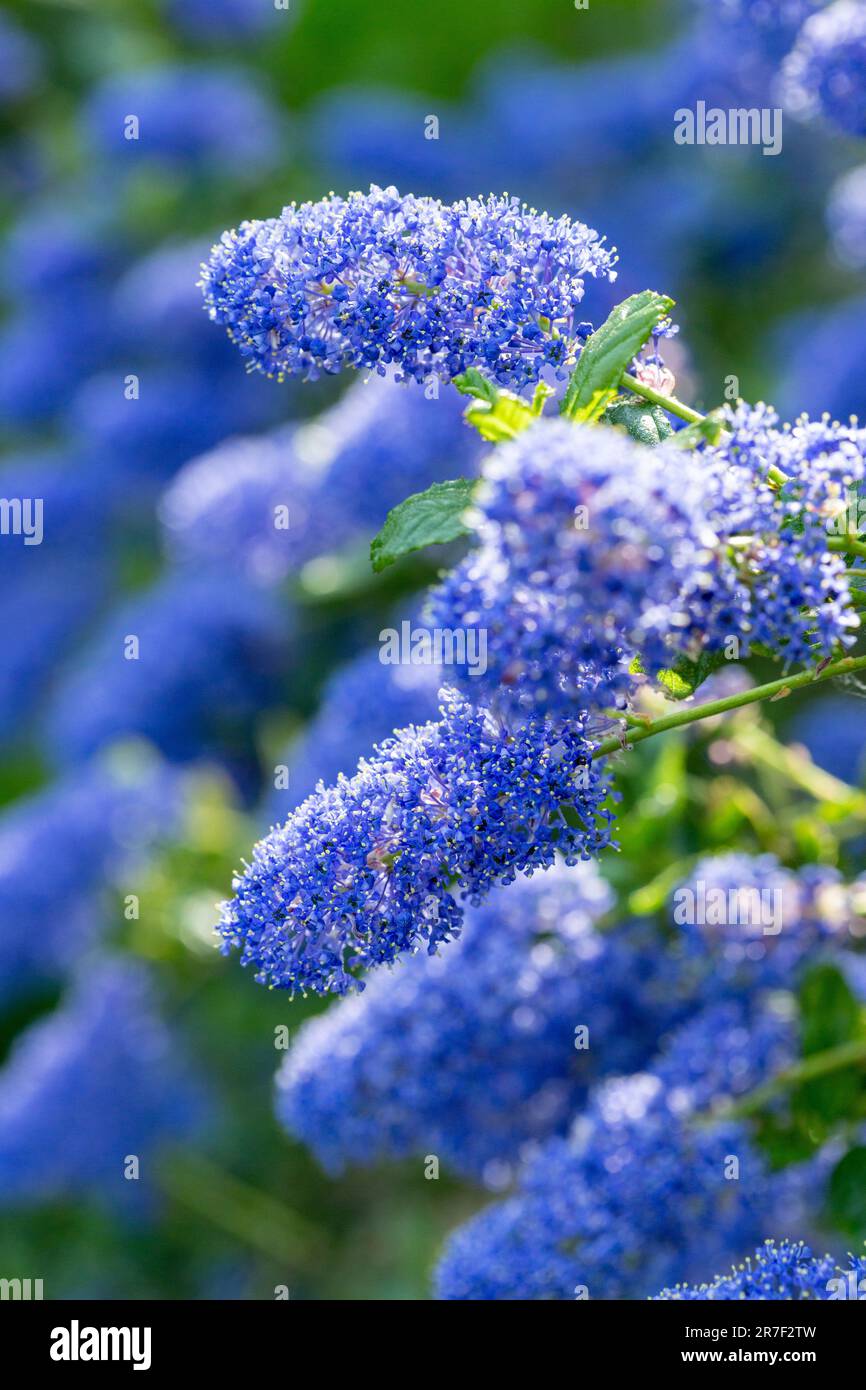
(193, 643)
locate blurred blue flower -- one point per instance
(470, 1054)
(819, 355)
(99, 1083)
(63, 851)
(207, 119)
(270, 504)
(825, 73)
(846, 217)
(189, 665)
(640, 1196)
(20, 61)
(140, 440)
(361, 705)
(833, 729)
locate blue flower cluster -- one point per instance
(62, 850)
(825, 73)
(588, 544)
(470, 1054)
(786, 590)
(375, 279)
(784, 1272)
(371, 867)
(594, 552)
(100, 1082)
(639, 1194)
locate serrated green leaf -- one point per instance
(506, 419)
(426, 518)
(686, 676)
(475, 383)
(497, 415)
(608, 353)
(645, 422)
(847, 1193)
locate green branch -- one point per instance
(847, 545)
(809, 1069)
(243, 1212)
(669, 403)
(691, 713)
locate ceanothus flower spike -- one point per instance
(372, 866)
(379, 278)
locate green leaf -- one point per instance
(685, 676)
(496, 415)
(829, 1012)
(475, 383)
(426, 518)
(608, 353)
(847, 1193)
(644, 422)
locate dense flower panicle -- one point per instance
(636, 1197)
(362, 704)
(333, 480)
(96, 1082)
(62, 850)
(595, 552)
(825, 73)
(784, 1272)
(786, 589)
(210, 653)
(376, 278)
(364, 870)
(208, 119)
(471, 1053)
(588, 544)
